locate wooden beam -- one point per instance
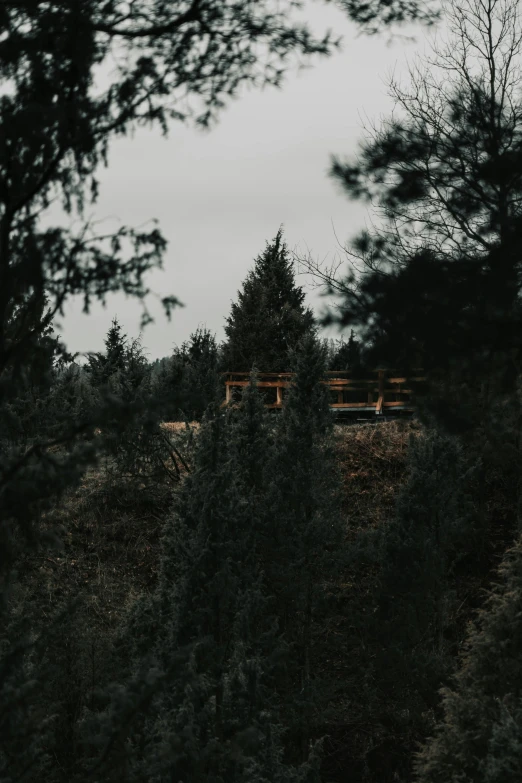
(261, 384)
(400, 391)
(353, 405)
(373, 388)
(381, 385)
(349, 382)
(259, 375)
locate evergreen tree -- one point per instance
(347, 356)
(190, 382)
(141, 456)
(303, 531)
(102, 366)
(269, 318)
(72, 398)
(479, 737)
(200, 379)
(214, 629)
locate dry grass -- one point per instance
(372, 459)
(110, 546)
(179, 426)
(109, 554)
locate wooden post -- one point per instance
(228, 392)
(340, 399)
(279, 391)
(380, 404)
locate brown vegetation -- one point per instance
(372, 459)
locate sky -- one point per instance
(219, 195)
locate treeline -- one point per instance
(266, 324)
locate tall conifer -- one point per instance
(216, 632)
(304, 529)
(270, 317)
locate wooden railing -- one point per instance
(380, 392)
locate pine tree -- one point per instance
(269, 318)
(213, 591)
(304, 532)
(102, 366)
(72, 398)
(479, 737)
(201, 379)
(189, 383)
(347, 355)
(215, 635)
(143, 461)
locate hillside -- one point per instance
(110, 554)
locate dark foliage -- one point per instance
(103, 366)
(211, 628)
(347, 356)
(439, 286)
(189, 381)
(269, 318)
(373, 14)
(479, 738)
(303, 530)
(431, 533)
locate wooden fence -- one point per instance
(380, 392)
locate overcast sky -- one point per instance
(219, 195)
